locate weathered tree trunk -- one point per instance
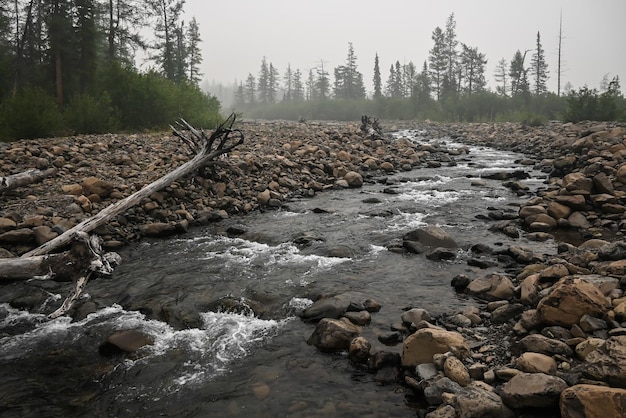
(26, 268)
(207, 149)
(22, 179)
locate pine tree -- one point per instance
(272, 84)
(125, 19)
(322, 83)
(451, 54)
(348, 80)
(298, 87)
(288, 79)
(194, 54)
(240, 95)
(409, 78)
(377, 80)
(311, 87)
(263, 82)
(539, 68)
(519, 75)
(473, 67)
(501, 77)
(250, 91)
(166, 48)
(438, 62)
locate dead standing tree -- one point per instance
(39, 261)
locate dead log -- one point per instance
(29, 267)
(221, 141)
(101, 264)
(22, 179)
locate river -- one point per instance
(208, 363)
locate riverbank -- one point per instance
(547, 296)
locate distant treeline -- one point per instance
(67, 67)
(451, 86)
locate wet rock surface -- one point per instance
(549, 332)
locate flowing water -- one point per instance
(217, 364)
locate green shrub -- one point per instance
(30, 113)
(90, 115)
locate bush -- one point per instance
(30, 113)
(89, 115)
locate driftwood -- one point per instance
(206, 149)
(101, 263)
(86, 253)
(21, 179)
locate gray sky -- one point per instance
(237, 34)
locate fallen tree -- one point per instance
(206, 149)
(42, 263)
(22, 179)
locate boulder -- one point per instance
(431, 236)
(94, 185)
(533, 390)
(538, 343)
(420, 346)
(333, 335)
(570, 299)
(456, 371)
(126, 341)
(359, 350)
(608, 362)
(536, 363)
(353, 179)
(491, 287)
(331, 307)
(477, 401)
(591, 401)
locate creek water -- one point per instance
(216, 364)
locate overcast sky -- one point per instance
(237, 34)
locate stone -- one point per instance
(608, 362)
(431, 236)
(126, 341)
(456, 371)
(478, 401)
(584, 348)
(538, 343)
(536, 363)
(491, 287)
(592, 401)
(414, 316)
(359, 350)
(331, 307)
(533, 390)
(353, 179)
(333, 335)
(569, 300)
(420, 346)
(158, 229)
(444, 411)
(94, 185)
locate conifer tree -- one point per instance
(263, 82)
(376, 79)
(519, 74)
(250, 91)
(501, 76)
(438, 62)
(194, 54)
(539, 68)
(166, 48)
(473, 69)
(298, 87)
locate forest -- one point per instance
(70, 67)
(449, 86)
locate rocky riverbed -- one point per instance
(550, 337)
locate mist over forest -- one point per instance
(70, 67)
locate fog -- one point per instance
(237, 34)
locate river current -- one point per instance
(209, 363)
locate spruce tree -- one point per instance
(438, 60)
(539, 68)
(501, 76)
(194, 54)
(376, 79)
